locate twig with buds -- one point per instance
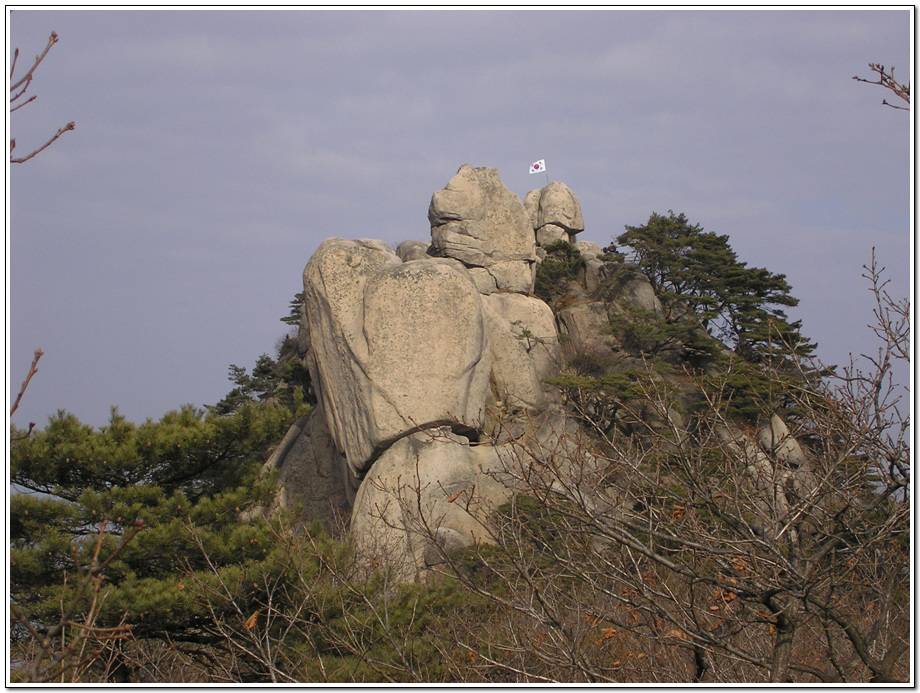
(19, 89)
(886, 79)
(33, 369)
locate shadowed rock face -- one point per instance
(312, 472)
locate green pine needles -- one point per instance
(739, 305)
(190, 468)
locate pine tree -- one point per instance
(740, 305)
(257, 387)
(192, 474)
(296, 306)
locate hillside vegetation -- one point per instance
(725, 510)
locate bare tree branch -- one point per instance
(61, 648)
(27, 78)
(886, 79)
(20, 160)
(33, 369)
(18, 90)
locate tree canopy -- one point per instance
(697, 270)
(188, 468)
(159, 502)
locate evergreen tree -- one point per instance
(283, 381)
(192, 473)
(562, 264)
(257, 387)
(296, 305)
(740, 305)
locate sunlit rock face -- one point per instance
(478, 221)
(394, 347)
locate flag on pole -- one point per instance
(538, 166)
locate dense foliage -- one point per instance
(160, 501)
(740, 305)
(191, 468)
(562, 264)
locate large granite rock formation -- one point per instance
(421, 360)
(432, 367)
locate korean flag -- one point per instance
(538, 166)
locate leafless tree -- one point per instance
(66, 650)
(319, 614)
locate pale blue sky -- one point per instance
(162, 240)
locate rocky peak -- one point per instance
(433, 365)
(478, 221)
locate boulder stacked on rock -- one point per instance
(554, 214)
(478, 221)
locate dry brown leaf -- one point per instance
(455, 496)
